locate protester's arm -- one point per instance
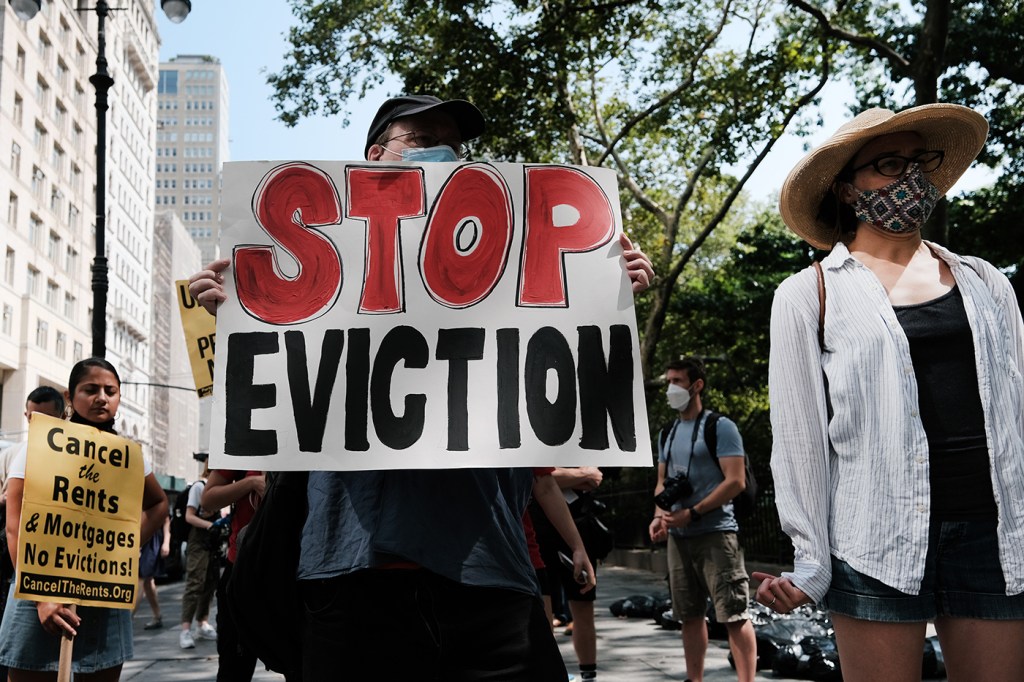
(207, 285)
(638, 265)
(165, 546)
(194, 519)
(552, 502)
(154, 508)
(221, 491)
(657, 529)
(578, 478)
(15, 490)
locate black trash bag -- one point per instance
(933, 666)
(639, 606)
(812, 658)
(668, 620)
(776, 633)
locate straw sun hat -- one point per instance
(958, 131)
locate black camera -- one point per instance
(675, 488)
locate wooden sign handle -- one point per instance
(66, 646)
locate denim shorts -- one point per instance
(104, 639)
(962, 579)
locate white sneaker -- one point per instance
(185, 640)
(206, 631)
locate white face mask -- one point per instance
(678, 397)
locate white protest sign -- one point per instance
(443, 315)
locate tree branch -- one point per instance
(852, 38)
(664, 100)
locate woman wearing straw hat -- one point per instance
(898, 419)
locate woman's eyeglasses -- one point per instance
(893, 166)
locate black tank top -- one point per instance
(942, 350)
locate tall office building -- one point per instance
(48, 138)
(192, 145)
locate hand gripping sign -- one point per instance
(441, 315)
(78, 541)
(200, 329)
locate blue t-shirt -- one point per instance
(463, 524)
(704, 473)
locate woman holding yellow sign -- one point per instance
(30, 633)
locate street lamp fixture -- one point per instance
(25, 9)
(176, 11)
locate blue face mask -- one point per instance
(441, 152)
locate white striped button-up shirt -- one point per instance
(857, 487)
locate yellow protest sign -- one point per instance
(200, 333)
(80, 516)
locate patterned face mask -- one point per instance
(901, 206)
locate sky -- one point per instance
(251, 43)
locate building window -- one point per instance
(12, 211)
(38, 183)
(9, 266)
(19, 108)
(19, 63)
(52, 294)
(62, 343)
(69, 306)
(42, 94)
(71, 261)
(42, 333)
(32, 282)
(8, 321)
(35, 229)
(15, 159)
(78, 352)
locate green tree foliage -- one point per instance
(683, 98)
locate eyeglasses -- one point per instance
(420, 140)
(892, 166)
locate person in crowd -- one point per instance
(705, 559)
(436, 558)
(150, 562)
(570, 482)
(896, 403)
(31, 632)
(44, 399)
(201, 568)
(49, 401)
(244, 490)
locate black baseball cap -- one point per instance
(466, 116)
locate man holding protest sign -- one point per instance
(89, 499)
(434, 557)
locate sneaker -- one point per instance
(185, 640)
(206, 631)
(154, 624)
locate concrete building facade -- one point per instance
(47, 210)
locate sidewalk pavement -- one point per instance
(629, 649)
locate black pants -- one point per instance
(414, 624)
(234, 664)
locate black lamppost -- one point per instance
(176, 11)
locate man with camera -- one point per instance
(694, 512)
